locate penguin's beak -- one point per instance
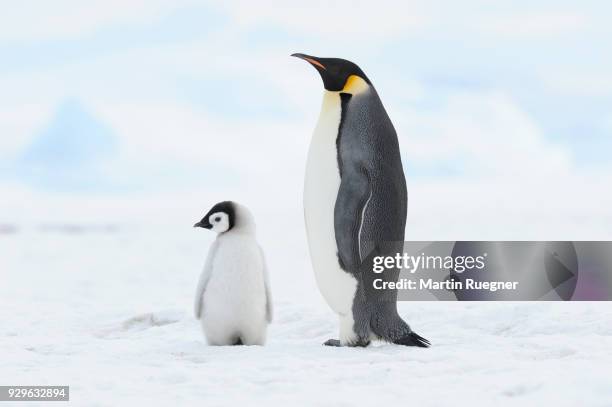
(314, 61)
(203, 224)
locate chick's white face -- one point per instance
(219, 222)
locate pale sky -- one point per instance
(504, 111)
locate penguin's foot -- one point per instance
(332, 342)
(337, 343)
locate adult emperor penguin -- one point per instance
(355, 203)
(233, 298)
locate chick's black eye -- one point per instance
(218, 219)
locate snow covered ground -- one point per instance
(108, 312)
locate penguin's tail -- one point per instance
(392, 328)
(413, 339)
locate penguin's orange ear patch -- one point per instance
(315, 63)
(355, 84)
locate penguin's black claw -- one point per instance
(332, 342)
(413, 339)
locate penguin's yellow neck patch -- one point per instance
(354, 85)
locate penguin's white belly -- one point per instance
(321, 188)
(234, 303)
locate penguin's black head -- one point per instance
(337, 74)
(220, 218)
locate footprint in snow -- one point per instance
(142, 322)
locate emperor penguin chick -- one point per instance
(233, 299)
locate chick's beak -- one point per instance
(203, 224)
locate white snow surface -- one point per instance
(108, 312)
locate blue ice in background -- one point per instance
(67, 154)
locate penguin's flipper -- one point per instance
(413, 339)
(203, 281)
(269, 308)
(351, 204)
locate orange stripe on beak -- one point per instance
(315, 63)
